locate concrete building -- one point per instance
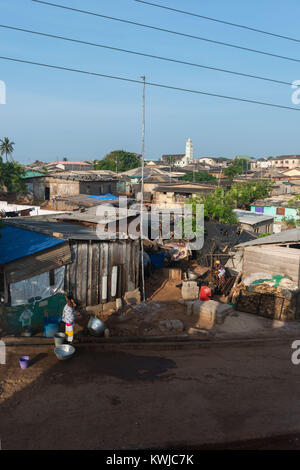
(286, 161)
(180, 160)
(255, 222)
(260, 164)
(168, 195)
(70, 166)
(54, 185)
(214, 162)
(277, 207)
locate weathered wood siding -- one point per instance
(272, 259)
(91, 260)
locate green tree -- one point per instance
(243, 194)
(238, 166)
(219, 206)
(6, 147)
(198, 176)
(11, 177)
(118, 160)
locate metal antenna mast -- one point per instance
(142, 191)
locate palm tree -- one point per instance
(6, 147)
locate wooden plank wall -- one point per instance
(272, 259)
(91, 260)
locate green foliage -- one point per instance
(219, 206)
(243, 194)
(118, 159)
(6, 147)
(198, 176)
(11, 176)
(289, 221)
(262, 235)
(238, 166)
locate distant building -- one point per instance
(180, 160)
(167, 196)
(53, 185)
(255, 222)
(70, 166)
(277, 207)
(286, 161)
(214, 162)
(260, 164)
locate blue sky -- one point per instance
(51, 114)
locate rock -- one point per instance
(171, 325)
(132, 297)
(190, 290)
(118, 304)
(210, 312)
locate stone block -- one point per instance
(190, 290)
(132, 297)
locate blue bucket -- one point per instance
(50, 330)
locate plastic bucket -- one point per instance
(50, 330)
(24, 362)
(59, 339)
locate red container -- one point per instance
(205, 293)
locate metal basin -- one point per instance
(96, 327)
(65, 351)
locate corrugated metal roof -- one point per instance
(287, 236)
(252, 218)
(16, 243)
(38, 263)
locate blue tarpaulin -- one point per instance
(104, 196)
(17, 242)
(158, 260)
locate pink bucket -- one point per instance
(24, 362)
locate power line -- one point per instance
(127, 51)
(249, 28)
(159, 85)
(169, 31)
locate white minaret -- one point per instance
(189, 151)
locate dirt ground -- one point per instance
(127, 399)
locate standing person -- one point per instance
(220, 273)
(68, 317)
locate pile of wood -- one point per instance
(267, 301)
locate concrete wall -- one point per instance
(64, 188)
(271, 210)
(272, 260)
(259, 228)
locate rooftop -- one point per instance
(68, 163)
(80, 176)
(286, 157)
(277, 201)
(287, 236)
(252, 218)
(16, 242)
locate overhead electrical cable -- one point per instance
(191, 36)
(216, 20)
(153, 84)
(152, 56)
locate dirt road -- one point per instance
(142, 399)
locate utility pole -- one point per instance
(142, 190)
